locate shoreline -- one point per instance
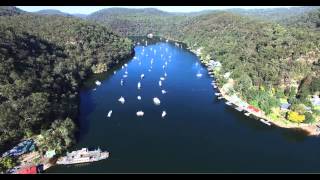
(310, 129)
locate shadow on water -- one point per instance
(84, 124)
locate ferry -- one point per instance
(83, 156)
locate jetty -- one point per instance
(265, 122)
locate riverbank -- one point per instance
(310, 129)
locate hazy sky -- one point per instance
(91, 9)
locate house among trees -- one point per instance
(285, 106)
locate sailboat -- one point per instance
(121, 99)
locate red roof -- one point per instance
(253, 108)
(30, 170)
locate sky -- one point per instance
(91, 9)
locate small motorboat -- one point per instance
(156, 101)
(98, 83)
(139, 98)
(109, 113)
(142, 76)
(140, 113)
(199, 75)
(163, 91)
(160, 83)
(164, 113)
(139, 85)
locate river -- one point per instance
(199, 134)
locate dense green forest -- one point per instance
(138, 22)
(43, 61)
(259, 55)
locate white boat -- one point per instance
(140, 113)
(121, 82)
(167, 40)
(239, 109)
(162, 78)
(109, 113)
(124, 76)
(135, 57)
(220, 97)
(126, 65)
(149, 70)
(98, 83)
(217, 94)
(199, 75)
(121, 99)
(247, 114)
(160, 83)
(114, 72)
(166, 63)
(142, 76)
(94, 89)
(156, 101)
(164, 113)
(139, 85)
(122, 67)
(165, 74)
(163, 66)
(214, 86)
(126, 72)
(265, 122)
(83, 156)
(163, 91)
(228, 103)
(139, 98)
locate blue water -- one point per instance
(199, 133)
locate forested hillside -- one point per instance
(10, 11)
(52, 12)
(267, 61)
(307, 20)
(43, 60)
(138, 22)
(274, 14)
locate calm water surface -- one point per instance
(199, 133)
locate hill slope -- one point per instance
(43, 61)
